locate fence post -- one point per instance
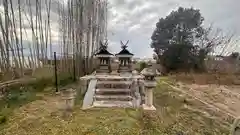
(74, 67)
(84, 66)
(55, 71)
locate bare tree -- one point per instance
(216, 43)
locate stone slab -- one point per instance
(124, 104)
(113, 97)
(88, 98)
(109, 76)
(113, 90)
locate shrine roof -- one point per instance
(103, 52)
(124, 52)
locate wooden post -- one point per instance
(55, 69)
(74, 68)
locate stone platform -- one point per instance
(119, 90)
(114, 90)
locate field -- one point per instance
(182, 108)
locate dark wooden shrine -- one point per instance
(125, 59)
(104, 58)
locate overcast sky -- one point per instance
(135, 20)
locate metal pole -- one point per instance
(74, 67)
(55, 67)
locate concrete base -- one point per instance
(148, 108)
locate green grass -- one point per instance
(19, 95)
(42, 117)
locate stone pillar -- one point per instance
(149, 86)
(149, 97)
(68, 97)
(114, 68)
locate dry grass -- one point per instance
(207, 78)
(175, 114)
(180, 113)
(222, 97)
(45, 72)
(43, 117)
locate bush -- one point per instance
(65, 79)
(142, 65)
(40, 84)
(20, 94)
(3, 119)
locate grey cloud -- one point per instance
(26, 9)
(118, 2)
(137, 43)
(25, 3)
(222, 13)
(133, 4)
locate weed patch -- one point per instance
(18, 95)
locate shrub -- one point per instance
(3, 119)
(20, 94)
(143, 65)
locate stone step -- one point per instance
(112, 91)
(124, 69)
(108, 76)
(124, 104)
(114, 79)
(112, 97)
(102, 71)
(113, 84)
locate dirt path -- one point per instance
(213, 98)
(219, 96)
